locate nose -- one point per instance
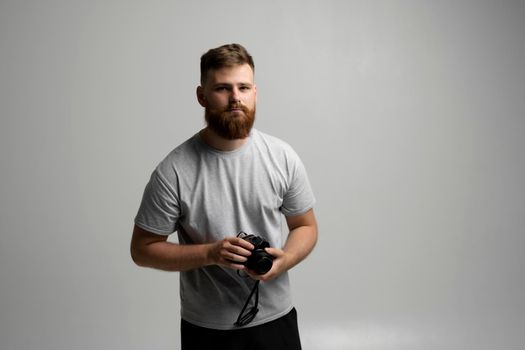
(235, 95)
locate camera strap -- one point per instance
(245, 318)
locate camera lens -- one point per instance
(260, 262)
(264, 265)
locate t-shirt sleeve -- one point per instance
(299, 197)
(159, 209)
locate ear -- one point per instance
(201, 97)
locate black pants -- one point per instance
(281, 333)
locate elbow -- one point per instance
(137, 258)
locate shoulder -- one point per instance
(277, 152)
(272, 143)
(181, 157)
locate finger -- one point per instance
(236, 254)
(237, 241)
(239, 250)
(235, 266)
(265, 277)
(233, 257)
(233, 249)
(253, 274)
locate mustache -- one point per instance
(237, 105)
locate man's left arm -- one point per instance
(301, 241)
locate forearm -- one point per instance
(301, 241)
(169, 256)
(152, 250)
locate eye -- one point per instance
(221, 88)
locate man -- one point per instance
(226, 179)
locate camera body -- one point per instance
(260, 261)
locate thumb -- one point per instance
(276, 253)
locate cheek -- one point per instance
(217, 101)
(208, 103)
(251, 101)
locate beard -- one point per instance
(229, 124)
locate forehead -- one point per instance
(232, 75)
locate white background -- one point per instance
(409, 116)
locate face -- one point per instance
(229, 97)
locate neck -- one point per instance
(220, 143)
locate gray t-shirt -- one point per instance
(205, 195)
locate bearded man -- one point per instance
(224, 191)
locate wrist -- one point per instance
(209, 254)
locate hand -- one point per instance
(279, 265)
(231, 252)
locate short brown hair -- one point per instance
(224, 56)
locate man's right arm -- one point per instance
(152, 250)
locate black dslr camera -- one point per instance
(260, 261)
